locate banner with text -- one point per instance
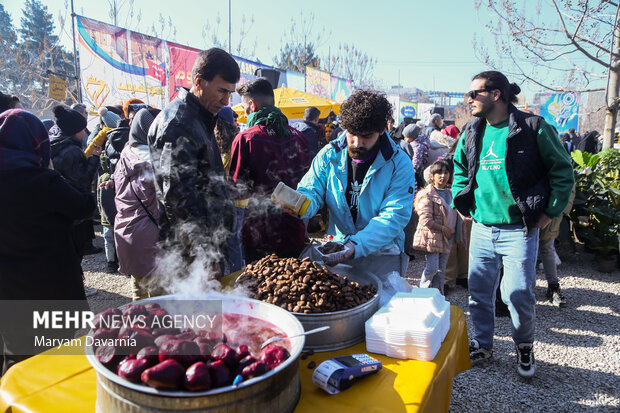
(318, 82)
(561, 110)
(182, 60)
(408, 109)
(117, 64)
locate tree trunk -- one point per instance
(611, 112)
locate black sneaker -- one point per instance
(112, 267)
(476, 354)
(555, 296)
(526, 365)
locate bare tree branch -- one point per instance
(572, 42)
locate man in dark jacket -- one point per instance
(268, 152)
(310, 128)
(397, 134)
(69, 160)
(67, 154)
(511, 175)
(410, 134)
(196, 208)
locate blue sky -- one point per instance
(431, 42)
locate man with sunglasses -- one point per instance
(512, 175)
(195, 206)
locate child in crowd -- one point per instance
(437, 221)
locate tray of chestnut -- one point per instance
(184, 359)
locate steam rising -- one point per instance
(191, 260)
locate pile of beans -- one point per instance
(331, 247)
(302, 286)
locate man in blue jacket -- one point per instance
(367, 184)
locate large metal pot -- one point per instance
(347, 326)
(276, 391)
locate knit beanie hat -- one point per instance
(412, 131)
(68, 120)
(451, 131)
(117, 109)
(226, 114)
(131, 101)
(109, 119)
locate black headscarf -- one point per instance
(23, 141)
(140, 127)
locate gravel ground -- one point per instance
(577, 349)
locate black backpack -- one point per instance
(117, 139)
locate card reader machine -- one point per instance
(338, 373)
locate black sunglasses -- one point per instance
(473, 93)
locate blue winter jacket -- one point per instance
(385, 200)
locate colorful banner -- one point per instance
(118, 64)
(561, 110)
(340, 89)
(318, 82)
(408, 109)
(182, 60)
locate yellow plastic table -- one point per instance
(50, 383)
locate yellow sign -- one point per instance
(57, 88)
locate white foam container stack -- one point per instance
(410, 326)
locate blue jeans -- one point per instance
(434, 274)
(491, 247)
(108, 243)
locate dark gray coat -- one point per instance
(189, 176)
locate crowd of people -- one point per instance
(185, 182)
